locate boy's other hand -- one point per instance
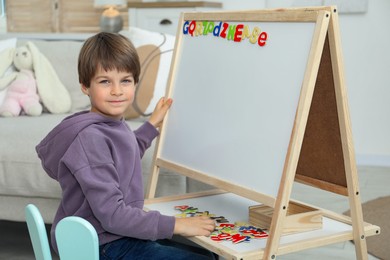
(194, 226)
(160, 111)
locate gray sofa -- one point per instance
(22, 179)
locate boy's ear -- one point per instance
(84, 89)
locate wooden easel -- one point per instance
(320, 151)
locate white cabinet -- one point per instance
(164, 16)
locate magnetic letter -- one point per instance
(245, 32)
(238, 34)
(217, 29)
(262, 39)
(255, 34)
(199, 28)
(192, 28)
(208, 27)
(232, 30)
(223, 33)
(185, 27)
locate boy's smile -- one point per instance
(111, 92)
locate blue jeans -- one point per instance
(132, 248)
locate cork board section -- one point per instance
(321, 162)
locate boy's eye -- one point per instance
(105, 81)
(127, 81)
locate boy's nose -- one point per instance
(116, 89)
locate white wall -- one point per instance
(365, 40)
(3, 19)
(366, 48)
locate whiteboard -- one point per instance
(235, 104)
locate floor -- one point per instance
(373, 183)
(15, 243)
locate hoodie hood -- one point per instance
(53, 147)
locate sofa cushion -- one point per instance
(155, 51)
(21, 173)
(20, 170)
(147, 81)
(5, 44)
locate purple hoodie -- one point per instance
(97, 161)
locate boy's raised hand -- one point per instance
(160, 111)
(194, 226)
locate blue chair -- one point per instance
(77, 239)
(37, 231)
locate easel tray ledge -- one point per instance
(336, 227)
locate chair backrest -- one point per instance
(76, 239)
(37, 231)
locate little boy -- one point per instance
(96, 159)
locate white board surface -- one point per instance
(235, 104)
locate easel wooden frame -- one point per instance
(350, 187)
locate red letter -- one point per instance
(262, 39)
(192, 28)
(223, 33)
(238, 34)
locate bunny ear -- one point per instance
(53, 93)
(6, 58)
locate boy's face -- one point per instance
(111, 92)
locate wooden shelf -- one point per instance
(182, 4)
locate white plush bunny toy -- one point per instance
(34, 83)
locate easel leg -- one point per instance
(346, 137)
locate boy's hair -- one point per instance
(109, 51)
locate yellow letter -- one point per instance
(255, 34)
